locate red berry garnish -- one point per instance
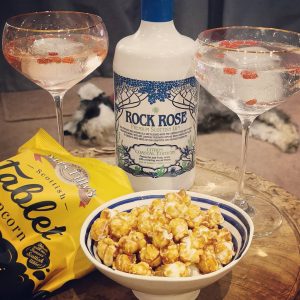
(249, 74)
(52, 53)
(229, 71)
(251, 102)
(68, 60)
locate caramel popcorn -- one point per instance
(224, 235)
(179, 228)
(187, 252)
(107, 250)
(141, 268)
(171, 237)
(224, 252)
(214, 216)
(208, 262)
(170, 254)
(99, 229)
(108, 213)
(185, 198)
(176, 269)
(145, 223)
(194, 216)
(123, 262)
(173, 207)
(204, 236)
(119, 226)
(157, 207)
(150, 254)
(161, 237)
(132, 243)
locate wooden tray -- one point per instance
(270, 270)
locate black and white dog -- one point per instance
(93, 122)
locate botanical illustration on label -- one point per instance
(156, 126)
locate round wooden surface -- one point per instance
(270, 270)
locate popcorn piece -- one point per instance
(141, 268)
(208, 261)
(194, 216)
(132, 243)
(150, 254)
(139, 238)
(172, 197)
(157, 206)
(108, 213)
(123, 262)
(176, 269)
(187, 253)
(204, 236)
(179, 228)
(129, 218)
(160, 219)
(136, 211)
(161, 237)
(224, 252)
(214, 216)
(185, 198)
(107, 251)
(144, 223)
(224, 235)
(119, 226)
(174, 209)
(99, 229)
(170, 254)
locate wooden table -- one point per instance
(270, 270)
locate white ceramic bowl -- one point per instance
(165, 288)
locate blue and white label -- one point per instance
(156, 126)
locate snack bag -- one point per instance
(45, 195)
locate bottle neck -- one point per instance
(157, 10)
(157, 29)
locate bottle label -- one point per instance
(156, 126)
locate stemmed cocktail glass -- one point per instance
(55, 50)
(250, 70)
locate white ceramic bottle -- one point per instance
(156, 102)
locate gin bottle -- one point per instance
(156, 102)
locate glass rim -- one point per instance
(98, 20)
(210, 44)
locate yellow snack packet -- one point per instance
(45, 195)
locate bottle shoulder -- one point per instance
(135, 43)
(155, 52)
(156, 38)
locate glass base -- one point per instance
(264, 214)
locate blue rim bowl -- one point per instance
(236, 221)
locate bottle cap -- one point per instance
(157, 10)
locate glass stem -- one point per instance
(58, 101)
(239, 199)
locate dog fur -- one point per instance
(93, 122)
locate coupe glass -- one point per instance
(250, 70)
(55, 50)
